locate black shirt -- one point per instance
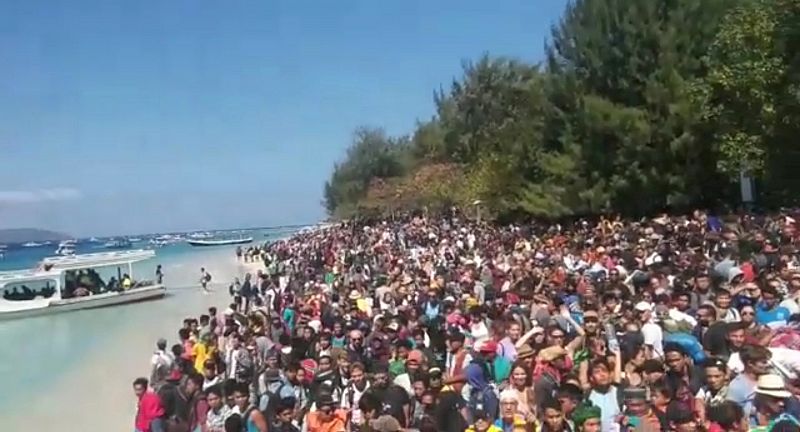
(448, 412)
(394, 399)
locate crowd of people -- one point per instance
(675, 323)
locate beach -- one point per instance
(73, 371)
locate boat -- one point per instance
(134, 239)
(220, 242)
(118, 244)
(66, 248)
(51, 287)
(31, 244)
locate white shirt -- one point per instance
(785, 360)
(350, 397)
(654, 336)
(677, 315)
(791, 305)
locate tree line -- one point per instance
(639, 106)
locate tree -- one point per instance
(741, 92)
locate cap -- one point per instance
(488, 346)
(643, 306)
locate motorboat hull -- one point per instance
(89, 302)
(219, 242)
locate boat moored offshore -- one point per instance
(66, 283)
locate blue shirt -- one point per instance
(742, 391)
(778, 315)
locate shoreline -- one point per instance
(92, 394)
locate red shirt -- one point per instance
(150, 408)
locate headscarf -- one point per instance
(585, 412)
(476, 378)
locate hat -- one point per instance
(354, 295)
(525, 351)
(643, 306)
(634, 393)
(772, 385)
(488, 346)
(551, 353)
(584, 412)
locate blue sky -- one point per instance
(140, 116)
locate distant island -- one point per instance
(21, 235)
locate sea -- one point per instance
(36, 350)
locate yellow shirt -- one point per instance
(201, 353)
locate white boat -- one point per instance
(31, 244)
(65, 248)
(57, 284)
(220, 242)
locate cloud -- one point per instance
(38, 195)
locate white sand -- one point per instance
(96, 395)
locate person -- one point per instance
(587, 418)
(483, 423)
(742, 389)
(149, 411)
(451, 410)
(205, 278)
(285, 417)
(159, 275)
(252, 419)
(218, 410)
(395, 398)
(769, 402)
(326, 417)
(356, 387)
(604, 393)
(161, 364)
(508, 418)
(727, 416)
(552, 418)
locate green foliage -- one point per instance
(642, 105)
(741, 90)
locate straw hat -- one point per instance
(525, 351)
(772, 385)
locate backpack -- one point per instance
(208, 277)
(273, 401)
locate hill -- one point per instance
(21, 235)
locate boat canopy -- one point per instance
(76, 262)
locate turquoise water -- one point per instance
(37, 350)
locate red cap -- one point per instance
(489, 346)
